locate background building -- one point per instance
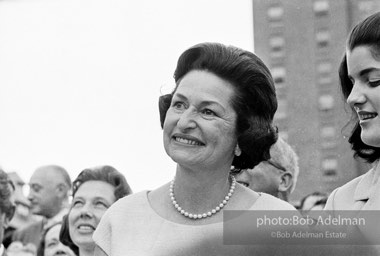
(303, 41)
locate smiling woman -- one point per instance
(94, 191)
(218, 116)
(359, 74)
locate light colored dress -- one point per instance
(361, 193)
(132, 227)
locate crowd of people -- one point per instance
(218, 128)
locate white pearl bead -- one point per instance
(204, 215)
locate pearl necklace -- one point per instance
(204, 215)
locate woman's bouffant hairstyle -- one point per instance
(255, 98)
(104, 173)
(366, 33)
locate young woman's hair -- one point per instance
(104, 173)
(254, 102)
(366, 33)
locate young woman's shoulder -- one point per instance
(346, 196)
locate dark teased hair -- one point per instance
(104, 173)
(6, 205)
(255, 98)
(366, 33)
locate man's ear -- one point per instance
(62, 190)
(286, 182)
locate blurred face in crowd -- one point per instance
(364, 73)
(199, 128)
(89, 204)
(53, 247)
(265, 177)
(44, 193)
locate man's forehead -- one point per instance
(43, 176)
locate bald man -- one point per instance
(48, 196)
(277, 176)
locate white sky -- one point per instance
(80, 79)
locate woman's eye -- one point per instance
(51, 244)
(101, 204)
(77, 203)
(374, 83)
(179, 105)
(208, 112)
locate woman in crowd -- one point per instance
(50, 244)
(94, 191)
(218, 116)
(359, 75)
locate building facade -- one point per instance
(303, 42)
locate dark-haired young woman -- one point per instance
(359, 74)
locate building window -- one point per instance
(329, 167)
(325, 79)
(275, 13)
(324, 68)
(277, 44)
(323, 38)
(281, 112)
(328, 132)
(321, 7)
(278, 74)
(326, 102)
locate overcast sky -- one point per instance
(80, 79)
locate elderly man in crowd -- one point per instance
(277, 176)
(48, 196)
(7, 208)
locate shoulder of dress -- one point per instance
(269, 202)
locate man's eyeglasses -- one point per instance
(236, 171)
(276, 165)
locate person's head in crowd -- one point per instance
(359, 74)
(276, 176)
(254, 98)
(94, 191)
(49, 190)
(7, 207)
(313, 201)
(50, 244)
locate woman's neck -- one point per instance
(199, 191)
(86, 251)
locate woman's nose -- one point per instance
(187, 119)
(86, 212)
(357, 95)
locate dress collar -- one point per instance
(366, 185)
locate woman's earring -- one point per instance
(237, 150)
